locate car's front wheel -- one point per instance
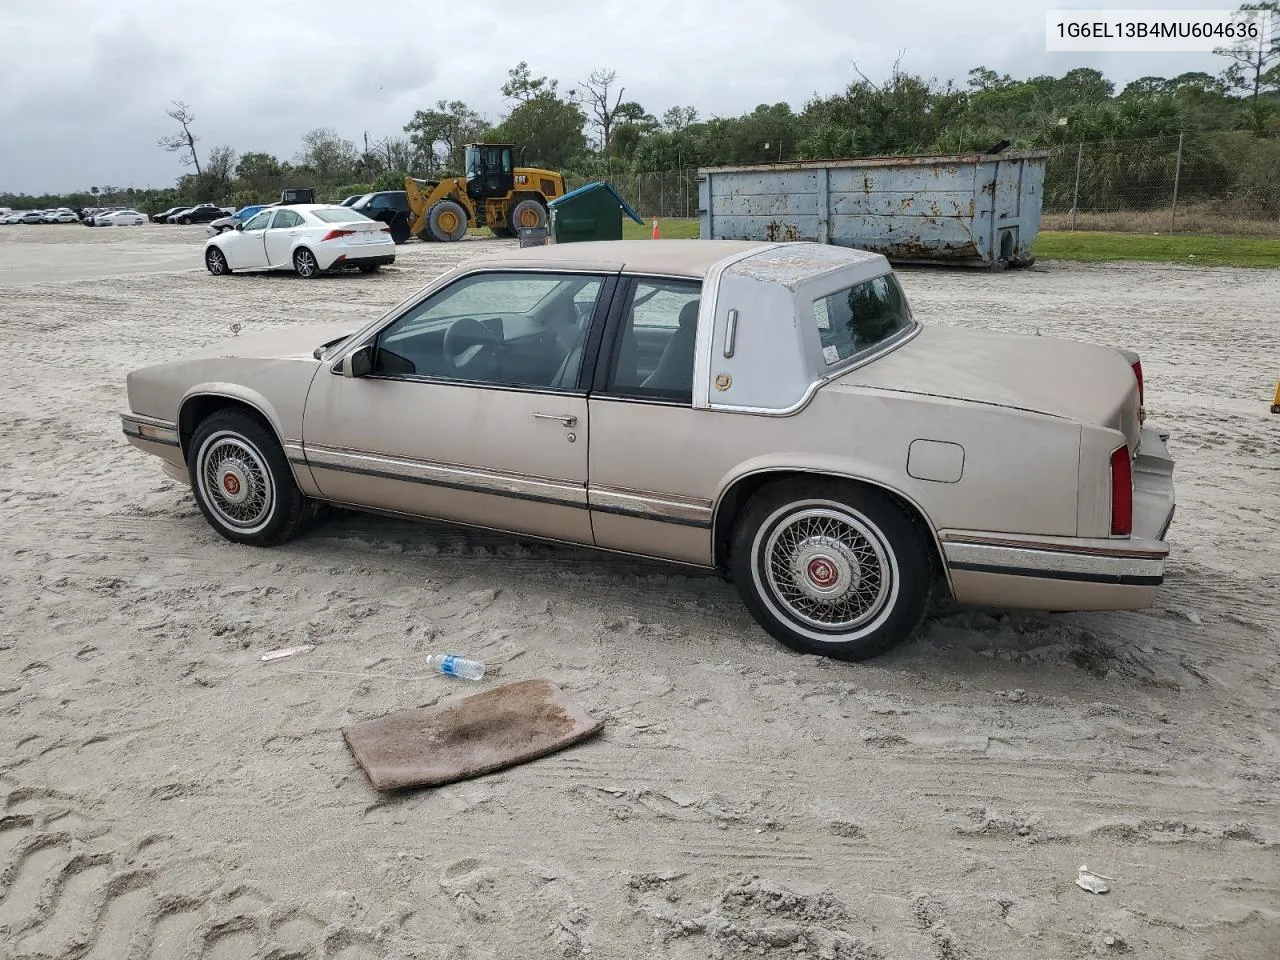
(447, 222)
(832, 567)
(242, 481)
(216, 261)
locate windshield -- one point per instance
(339, 215)
(858, 318)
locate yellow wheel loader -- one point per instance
(494, 194)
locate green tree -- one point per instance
(451, 125)
(906, 114)
(258, 174)
(522, 86)
(546, 131)
(329, 157)
(1255, 65)
(631, 126)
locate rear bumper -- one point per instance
(381, 254)
(1073, 573)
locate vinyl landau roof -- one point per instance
(778, 262)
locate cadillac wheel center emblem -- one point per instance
(822, 572)
(231, 484)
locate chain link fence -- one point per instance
(1220, 183)
(663, 193)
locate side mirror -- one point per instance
(239, 224)
(359, 363)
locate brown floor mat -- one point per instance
(498, 728)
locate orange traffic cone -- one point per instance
(657, 234)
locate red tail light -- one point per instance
(1137, 373)
(1121, 493)
(335, 234)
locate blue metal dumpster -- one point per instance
(977, 209)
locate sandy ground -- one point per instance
(164, 794)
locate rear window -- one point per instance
(338, 215)
(858, 318)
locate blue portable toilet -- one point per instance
(592, 212)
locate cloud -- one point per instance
(84, 85)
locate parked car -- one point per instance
(773, 411)
(389, 206)
(163, 217)
(13, 217)
(201, 213)
(61, 215)
(32, 216)
(223, 224)
(307, 238)
(120, 218)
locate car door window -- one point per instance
(259, 221)
(285, 219)
(510, 329)
(652, 355)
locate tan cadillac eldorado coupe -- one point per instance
(771, 410)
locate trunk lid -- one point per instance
(1061, 378)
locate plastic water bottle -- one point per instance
(452, 666)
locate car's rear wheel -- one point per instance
(832, 567)
(242, 481)
(304, 264)
(447, 221)
(186, 221)
(216, 261)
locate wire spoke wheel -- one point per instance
(236, 483)
(828, 569)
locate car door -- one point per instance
(474, 408)
(246, 249)
(281, 236)
(650, 467)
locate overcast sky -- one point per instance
(84, 83)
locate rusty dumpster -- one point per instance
(969, 209)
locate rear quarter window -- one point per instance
(859, 318)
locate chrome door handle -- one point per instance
(568, 420)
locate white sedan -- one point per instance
(61, 215)
(120, 218)
(308, 238)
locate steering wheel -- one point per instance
(471, 347)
